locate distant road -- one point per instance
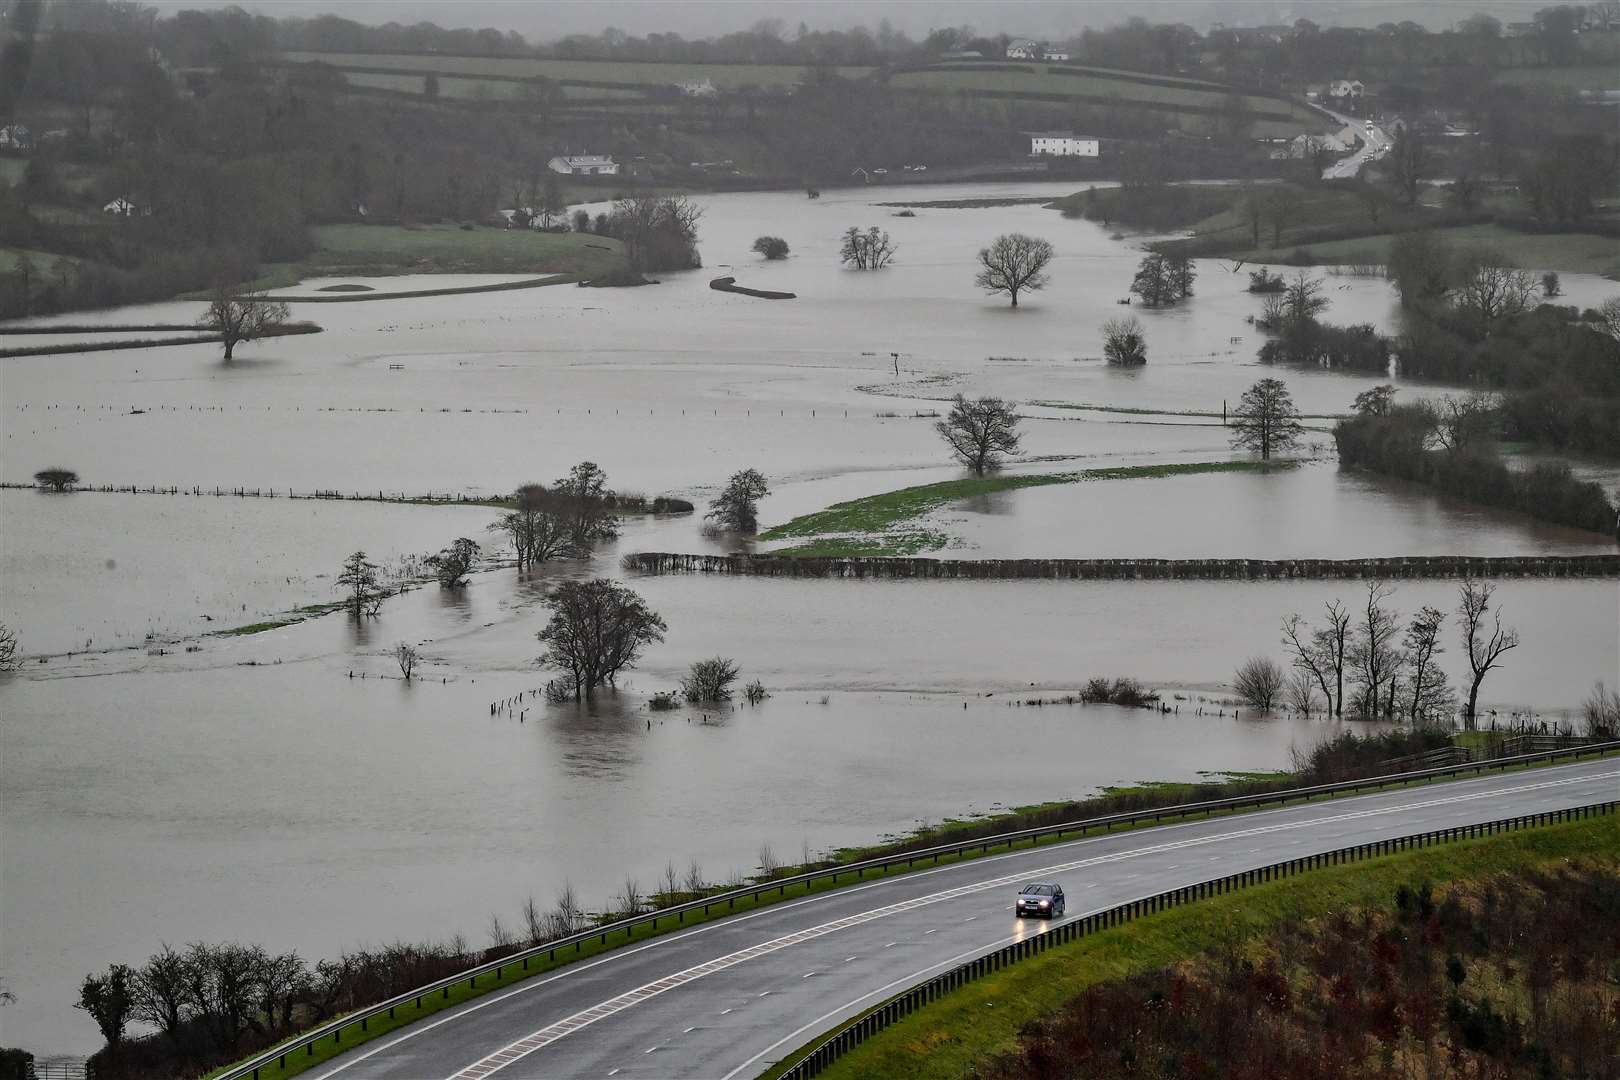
(1373, 139)
(727, 999)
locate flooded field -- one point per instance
(245, 788)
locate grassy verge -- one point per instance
(947, 1038)
(297, 615)
(876, 525)
(515, 972)
(1575, 253)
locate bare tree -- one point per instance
(1490, 290)
(160, 992)
(1013, 263)
(980, 432)
(406, 656)
(597, 629)
(1300, 692)
(537, 526)
(567, 916)
(870, 250)
(1124, 342)
(359, 579)
(534, 924)
(1322, 654)
(238, 316)
(1608, 319)
(1265, 419)
(1408, 164)
(8, 648)
(500, 938)
(1375, 655)
(694, 878)
(1259, 682)
(658, 232)
(769, 864)
(1429, 693)
(1303, 301)
(1462, 422)
(737, 507)
(630, 900)
(56, 478)
(1484, 645)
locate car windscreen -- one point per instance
(1037, 890)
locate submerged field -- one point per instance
(298, 754)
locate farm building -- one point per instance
(1063, 144)
(123, 207)
(584, 165)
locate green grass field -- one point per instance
(945, 1039)
(452, 88)
(1589, 77)
(1105, 86)
(878, 524)
(722, 75)
(1576, 253)
(12, 169)
(449, 249)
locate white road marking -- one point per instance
(928, 931)
(970, 918)
(613, 1072)
(617, 955)
(689, 1030)
(847, 959)
(890, 945)
(649, 1049)
(807, 974)
(724, 1011)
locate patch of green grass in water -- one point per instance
(868, 526)
(948, 1037)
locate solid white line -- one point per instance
(689, 1030)
(574, 970)
(847, 959)
(724, 1011)
(807, 974)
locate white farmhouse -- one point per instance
(1025, 49)
(1063, 144)
(584, 165)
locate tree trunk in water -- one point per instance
(1015, 297)
(229, 345)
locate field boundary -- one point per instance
(496, 973)
(854, 1032)
(653, 563)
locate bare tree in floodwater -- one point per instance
(1014, 263)
(536, 525)
(1323, 654)
(597, 629)
(238, 316)
(1265, 420)
(359, 580)
(406, 656)
(1484, 645)
(8, 648)
(980, 432)
(56, 478)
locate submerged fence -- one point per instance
(1410, 566)
(496, 972)
(897, 1008)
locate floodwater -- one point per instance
(253, 789)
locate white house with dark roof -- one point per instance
(584, 165)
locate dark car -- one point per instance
(1040, 898)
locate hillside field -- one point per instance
(565, 71)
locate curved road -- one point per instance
(727, 999)
(1373, 140)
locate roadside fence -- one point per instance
(498, 972)
(857, 1031)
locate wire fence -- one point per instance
(855, 1032)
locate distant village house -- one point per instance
(1034, 50)
(123, 207)
(584, 165)
(16, 137)
(1062, 144)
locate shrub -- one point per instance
(1121, 691)
(663, 701)
(772, 247)
(1259, 682)
(1603, 713)
(56, 478)
(755, 692)
(709, 680)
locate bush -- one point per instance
(663, 701)
(772, 247)
(1603, 713)
(1259, 682)
(1121, 691)
(709, 681)
(755, 692)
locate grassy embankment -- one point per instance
(585, 74)
(1191, 104)
(947, 1038)
(879, 525)
(1171, 793)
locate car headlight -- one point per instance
(1046, 903)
